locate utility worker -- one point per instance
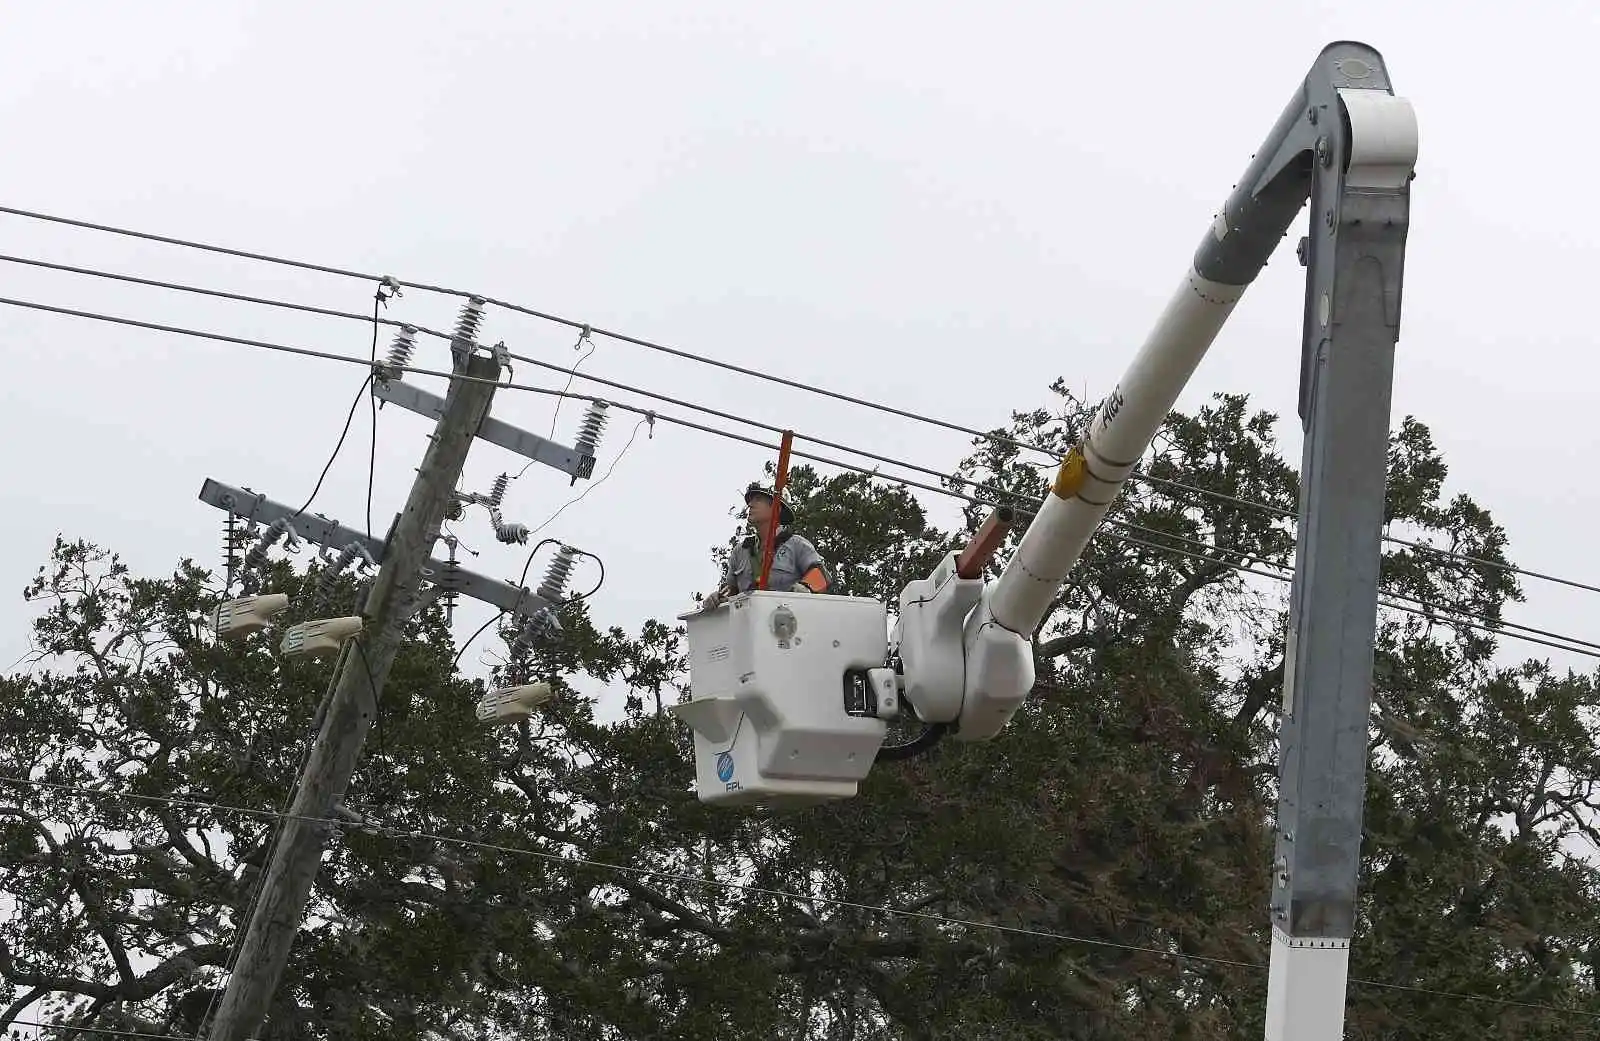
(796, 564)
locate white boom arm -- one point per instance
(979, 689)
(998, 634)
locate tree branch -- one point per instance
(94, 908)
(140, 988)
(1084, 639)
(15, 1008)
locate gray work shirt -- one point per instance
(793, 558)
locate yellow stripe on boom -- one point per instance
(1071, 475)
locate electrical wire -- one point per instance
(595, 484)
(650, 416)
(585, 330)
(522, 581)
(527, 564)
(348, 420)
(372, 400)
(456, 662)
(601, 581)
(583, 337)
(754, 890)
(942, 475)
(104, 1031)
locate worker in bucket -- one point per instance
(796, 565)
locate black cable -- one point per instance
(479, 632)
(372, 685)
(348, 420)
(942, 475)
(527, 564)
(602, 580)
(372, 454)
(188, 244)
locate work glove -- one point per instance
(711, 601)
(800, 587)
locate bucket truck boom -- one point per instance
(1349, 145)
(1343, 131)
(790, 696)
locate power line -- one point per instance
(190, 244)
(220, 294)
(586, 330)
(104, 1031)
(520, 309)
(595, 484)
(754, 890)
(890, 460)
(1431, 613)
(584, 334)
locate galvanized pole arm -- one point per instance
(413, 398)
(516, 601)
(1357, 144)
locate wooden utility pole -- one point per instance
(298, 853)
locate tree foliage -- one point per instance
(1099, 872)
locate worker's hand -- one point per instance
(712, 600)
(801, 587)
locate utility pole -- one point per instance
(298, 853)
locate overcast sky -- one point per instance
(917, 203)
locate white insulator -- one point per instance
(510, 534)
(467, 325)
(497, 493)
(554, 587)
(405, 342)
(594, 424)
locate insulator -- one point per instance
(510, 534)
(232, 543)
(405, 341)
(447, 583)
(336, 566)
(258, 553)
(594, 424)
(526, 637)
(467, 324)
(541, 626)
(554, 587)
(498, 493)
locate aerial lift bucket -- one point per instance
(775, 678)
